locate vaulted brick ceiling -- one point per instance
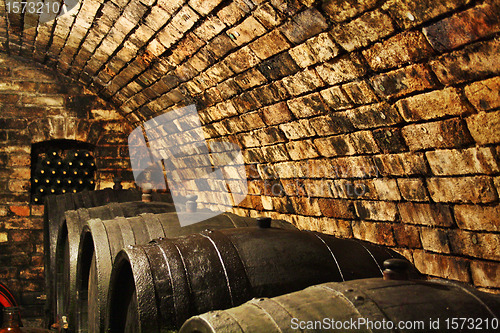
(147, 55)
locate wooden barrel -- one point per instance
(102, 240)
(69, 240)
(55, 208)
(368, 305)
(158, 286)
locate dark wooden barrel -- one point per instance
(54, 210)
(102, 240)
(158, 286)
(374, 305)
(69, 240)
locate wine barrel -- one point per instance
(158, 286)
(373, 305)
(69, 239)
(54, 216)
(102, 240)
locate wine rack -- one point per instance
(59, 171)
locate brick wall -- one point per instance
(36, 106)
(372, 119)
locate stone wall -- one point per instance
(370, 119)
(36, 106)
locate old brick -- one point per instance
(386, 189)
(336, 208)
(374, 115)
(435, 240)
(307, 106)
(336, 98)
(3, 237)
(241, 60)
(204, 6)
(342, 69)
(334, 146)
(252, 120)
(474, 62)
(364, 30)
(301, 150)
(474, 244)
(231, 13)
(246, 31)
(406, 47)
(210, 28)
(323, 47)
(408, 13)
(322, 188)
(464, 27)
(304, 25)
(379, 233)
(20, 210)
(485, 127)
(269, 135)
(435, 104)
(404, 164)
(306, 206)
(334, 123)
(407, 236)
(461, 162)
(339, 10)
(403, 81)
(447, 267)
(390, 140)
(451, 133)
(278, 67)
(353, 167)
(249, 79)
(276, 114)
(303, 82)
(303, 55)
(268, 16)
(479, 189)
(269, 45)
(413, 189)
(360, 92)
(485, 274)
(480, 218)
(276, 153)
(298, 129)
(426, 214)
(376, 210)
(484, 94)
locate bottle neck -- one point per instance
(11, 317)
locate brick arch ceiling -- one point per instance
(147, 55)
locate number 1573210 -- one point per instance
(39, 8)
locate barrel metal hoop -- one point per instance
(236, 271)
(331, 252)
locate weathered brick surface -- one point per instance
(435, 240)
(481, 218)
(484, 273)
(474, 62)
(403, 48)
(426, 214)
(454, 268)
(374, 232)
(479, 189)
(435, 104)
(483, 94)
(364, 30)
(440, 134)
(413, 189)
(464, 27)
(461, 162)
(485, 127)
(478, 245)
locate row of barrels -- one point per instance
(111, 277)
(56, 207)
